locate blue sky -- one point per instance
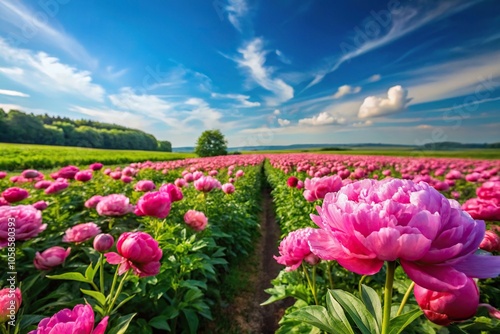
(264, 72)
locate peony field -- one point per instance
(368, 244)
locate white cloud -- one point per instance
(322, 118)
(402, 21)
(30, 24)
(362, 124)
(253, 60)
(12, 93)
(375, 78)
(283, 122)
(345, 90)
(374, 106)
(236, 9)
(151, 105)
(276, 112)
(43, 73)
(284, 59)
(242, 99)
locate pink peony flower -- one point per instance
(14, 194)
(115, 175)
(40, 205)
(83, 175)
(180, 182)
(56, 187)
(43, 184)
(369, 222)
(197, 175)
(50, 258)
(173, 191)
(154, 204)
(93, 201)
(137, 251)
(31, 174)
(443, 308)
(489, 190)
(68, 172)
(114, 205)
(126, 179)
(3, 175)
(300, 184)
(482, 209)
(196, 220)
(228, 188)
(79, 320)
(144, 185)
(292, 181)
(10, 301)
(188, 177)
(96, 166)
(491, 242)
(239, 173)
(294, 249)
(317, 188)
(103, 242)
(206, 184)
(3, 201)
(81, 232)
(26, 220)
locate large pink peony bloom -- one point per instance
(25, 219)
(137, 251)
(154, 204)
(369, 222)
(50, 258)
(81, 232)
(196, 220)
(14, 194)
(173, 191)
(489, 191)
(317, 188)
(484, 209)
(10, 301)
(206, 184)
(114, 205)
(79, 320)
(443, 308)
(294, 249)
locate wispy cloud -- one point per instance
(12, 93)
(151, 105)
(242, 100)
(236, 10)
(346, 90)
(395, 102)
(22, 24)
(253, 60)
(43, 73)
(402, 22)
(375, 78)
(283, 122)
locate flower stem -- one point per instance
(405, 298)
(101, 273)
(4, 329)
(311, 286)
(115, 278)
(329, 273)
(389, 280)
(118, 291)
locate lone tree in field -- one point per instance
(211, 143)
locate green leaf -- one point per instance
(123, 302)
(160, 322)
(30, 319)
(99, 297)
(121, 324)
(358, 312)
(337, 312)
(72, 276)
(192, 320)
(372, 303)
(319, 317)
(400, 322)
(90, 272)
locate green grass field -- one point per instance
(22, 156)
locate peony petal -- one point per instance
(434, 277)
(113, 258)
(101, 327)
(413, 247)
(361, 266)
(479, 266)
(324, 245)
(384, 243)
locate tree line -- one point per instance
(19, 127)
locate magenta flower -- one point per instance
(50, 258)
(228, 188)
(180, 182)
(137, 251)
(126, 179)
(294, 249)
(40, 205)
(173, 191)
(68, 172)
(114, 205)
(3, 175)
(79, 320)
(206, 184)
(83, 175)
(26, 220)
(144, 185)
(3, 201)
(103, 242)
(43, 184)
(188, 177)
(96, 166)
(56, 187)
(491, 242)
(9, 302)
(93, 201)
(154, 204)
(115, 175)
(14, 194)
(31, 174)
(482, 208)
(489, 191)
(369, 222)
(196, 220)
(443, 308)
(317, 188)
(292, 182)
(81, 232)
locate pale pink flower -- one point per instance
(196, 220)
(294, 249)
(206, 184)
(92, 202)
(50, 258)
(9, 301)
(317, 188)
(144, 185)
(114, 205)
(228, 188)
(26, 220)
(81, 232)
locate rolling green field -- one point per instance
(22, 156)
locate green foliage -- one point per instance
(211, 143)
